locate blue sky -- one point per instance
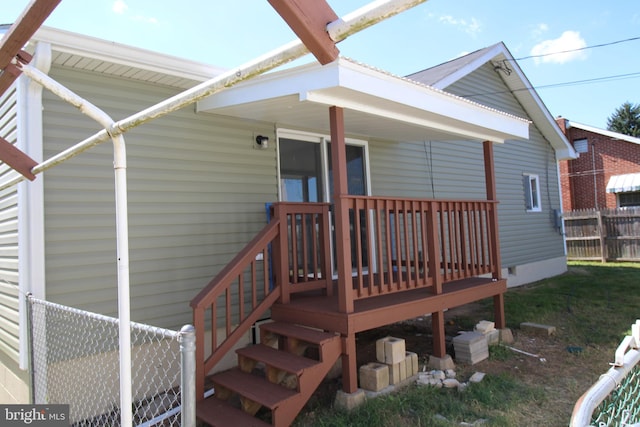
(585, 86)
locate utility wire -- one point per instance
(578, 49)
(553, 85)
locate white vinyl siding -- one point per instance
(197, 190)
(9, 295)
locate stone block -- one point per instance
(485, 326)
(506, 336)
(538, 329)
(412, 363)
(349, 401)
(441, 363)
(394, 373)
(374, 376)
(493, 337)
(390, 350)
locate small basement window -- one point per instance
(532, 192)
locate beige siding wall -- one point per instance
(9, 329)
(456, 170)
(197, 189)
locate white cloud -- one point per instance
(119, 7)
(561, 50)
(539, 30)
(472, 27)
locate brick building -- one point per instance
(607, 172)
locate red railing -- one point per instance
(396, 245)
(294, 246)
(404, 244)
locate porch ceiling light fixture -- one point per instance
(262, 141)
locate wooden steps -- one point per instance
(276, 376)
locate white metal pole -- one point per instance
(122, 230)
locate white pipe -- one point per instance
(122, 230)
(339, 30)
(588, 402)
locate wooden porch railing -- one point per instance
(289, 255)
(396, 245)
(404, 244)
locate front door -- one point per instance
(306, 171)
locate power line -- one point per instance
(578, 49)
(563, 84)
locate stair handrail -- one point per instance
(222, 283)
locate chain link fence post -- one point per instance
(188, 375)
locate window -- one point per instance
(627, 200)
(532, 193)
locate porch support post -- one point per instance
(340, 190)
(490, 179)
(437, 326)
(349, 364)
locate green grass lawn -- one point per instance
(592, 306)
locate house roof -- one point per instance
(610, 134)
(376, 103)
(101, 56)
(444, 75)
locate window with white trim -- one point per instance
(531, 184)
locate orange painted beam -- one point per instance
(309, 19)
(18, 160)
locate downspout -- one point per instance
(31, 197)
(122, 228)
(595, 178)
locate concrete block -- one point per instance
(441, 363)
(412, 363)
(506, 336)
(394, 374)
(485, 326)
(538, 329)
(349, 401)
(374, 376)
(390, 350)
(403, 369)
(493, 337)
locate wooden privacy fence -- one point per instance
(604, 235)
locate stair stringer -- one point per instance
(308, 383)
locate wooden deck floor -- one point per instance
(320, 311)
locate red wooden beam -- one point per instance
(309, 19)
(24, 28)
(18, 35)
(17, 159)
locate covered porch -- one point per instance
(364, 261)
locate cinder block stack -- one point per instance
(393, 358)
(488, 329)
(471, 347)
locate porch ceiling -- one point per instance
(376, 104)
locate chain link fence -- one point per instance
(75, 361)
(615, 399)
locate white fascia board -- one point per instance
(610, 134)
(343, 83)
(272, 85)
(432, 102)
(116, 53)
